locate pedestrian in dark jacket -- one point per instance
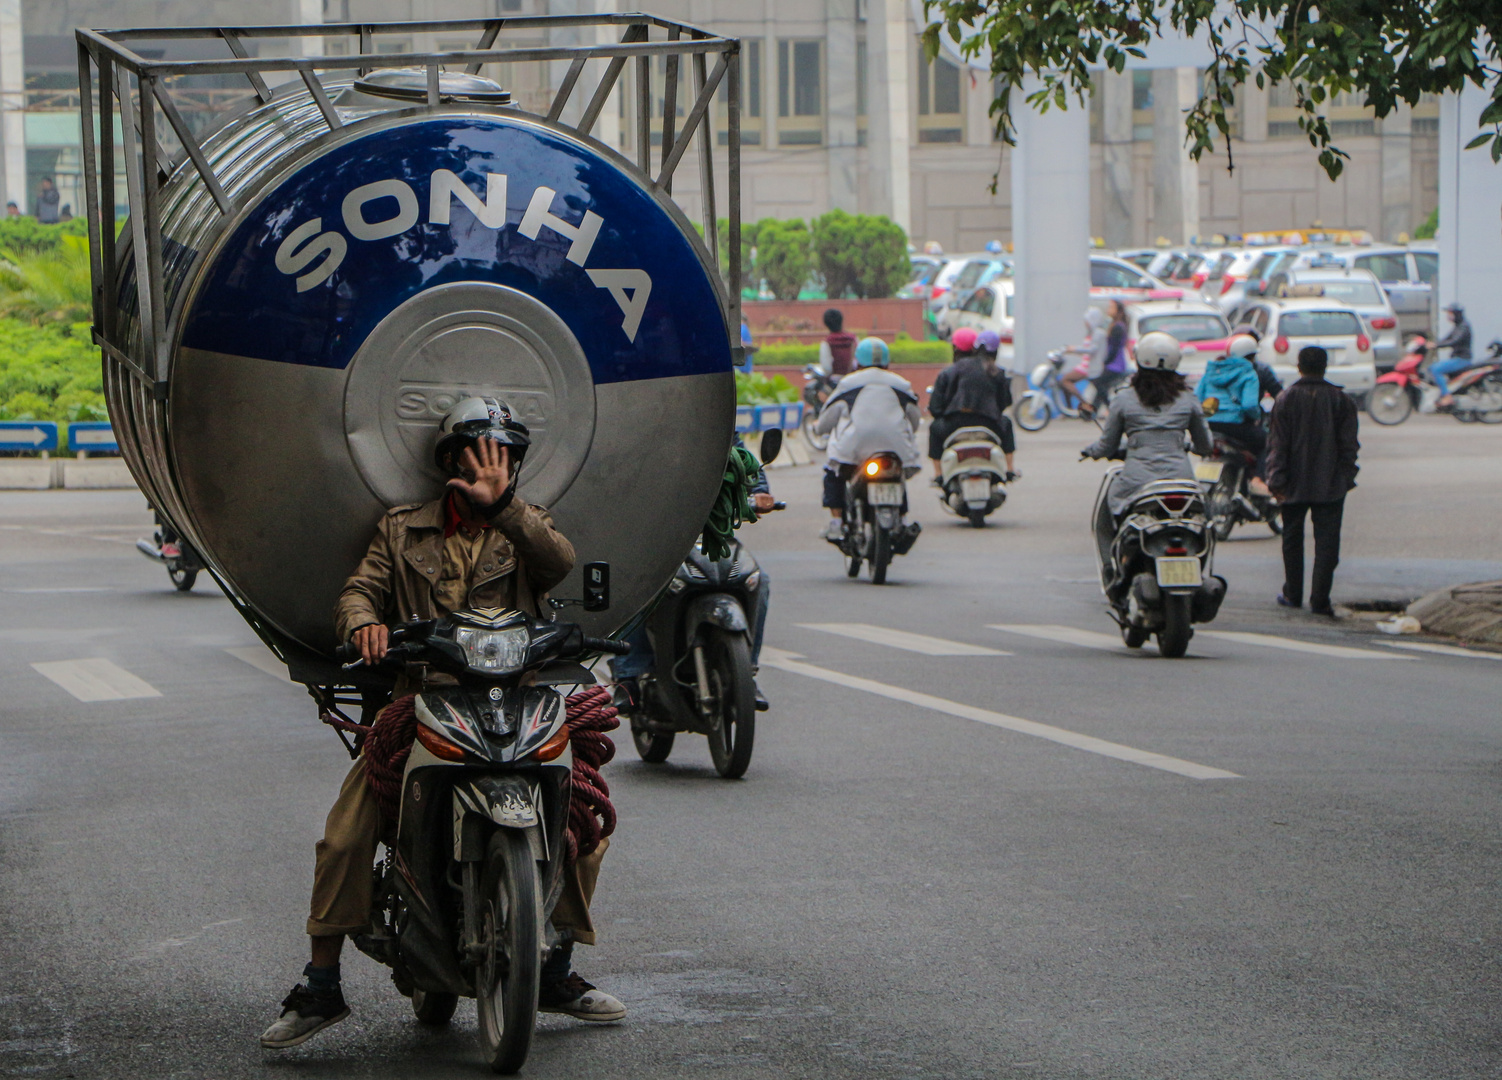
(1311, 464)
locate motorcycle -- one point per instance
(701, 681)
(179, 557)
(1045, 397)
(872, 530)
(1156, 564)
(1408, 388)
(817, 386)
(463, 896)
(1229, 499)
(973, 474)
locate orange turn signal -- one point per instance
(872, 468)
(554, 746)
(437, 745)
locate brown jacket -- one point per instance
(522, 557)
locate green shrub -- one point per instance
(790, 354)
(757, 389)
(860, 255)
(782, 256)
(46, 286)
(1430, 226)
(27, 235)
(49, 372)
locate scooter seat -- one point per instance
(972, 434)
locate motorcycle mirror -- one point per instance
(771, 445)
(1211, 406)
(597, 586)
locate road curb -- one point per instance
(44, 474)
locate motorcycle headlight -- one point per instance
(496, 652)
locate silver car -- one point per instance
(1358, 289)
(1408, 276)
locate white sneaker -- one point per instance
(304, 1014)
(835, 530)
(581, 1000)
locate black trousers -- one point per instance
(1326, 518)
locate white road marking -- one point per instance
(1443, 650)
(792, 662)
(261, 658)
(67, 589)
(1271, 641)
(901, 639)
(1089, 639)
(96, 679)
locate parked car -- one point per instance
(1408, 276)
(1199, 327)
(1269, 261)
(975, 273)
(942, 282)
(990, 308)
(1156, 261)
(925, 269)
(1356, 288)
(1288, 325)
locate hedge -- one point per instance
(791, 354)
(49, 372)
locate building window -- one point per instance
(940, 116)
(862, 94)
(800, 93)
(751, 100)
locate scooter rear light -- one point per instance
(554, 746)
(1363, 343)
(1006, 337)
(438, 746)
(1176, 549)
(872, 468)
(1280, 345)
(965, 453)
(1176, 502)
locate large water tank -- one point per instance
(373, 274)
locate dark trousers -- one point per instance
(1326, 518)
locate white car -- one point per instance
(990, 308)
(938, 290)
(1288, 325)
(1359, 289)
(1199, 328)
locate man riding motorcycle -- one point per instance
(477, 545)
(972, 392)
(1458, 341)
(871, 411)
(1152, 415)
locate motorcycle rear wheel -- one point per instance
(732, 732)
(435, 1008)
(507, 980)
(1133, 637)
(1389, 404)
(182, 578)
(1173, 639)
(881, 556)
(651, 746)
(977, 518)
(1491, 387)
(1220, 509)
(1032, 413)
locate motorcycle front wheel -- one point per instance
(881, 555)
(1173, 639)
(511, 932)
(1032, 412)
(810, 436)
(732, 731)
(1389, 404)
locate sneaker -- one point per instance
(762, 704)
(936, 482)
(1328, 611)
(304, 1014)
(1283, 601)
(834, 532)
(575, 997)
(171, 551)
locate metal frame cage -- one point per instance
(116, 82)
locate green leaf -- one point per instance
(1478, 140)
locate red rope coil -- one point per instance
(591, 817)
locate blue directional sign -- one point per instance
(95, 436)
(28, 435)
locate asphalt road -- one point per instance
(1021, 862)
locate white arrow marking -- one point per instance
(92, 435)
(34, 436)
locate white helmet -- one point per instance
(1243, 345)
(1158, 351)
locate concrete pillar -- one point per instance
(13, 104)
(1176, 183)
(1116, 157)
(839, 103)
(608, 126)
(308, 13)
(975, 87)
(1397, 173)
(890, 122)
(1050, 228)
(1470, 217)
(1253, 104)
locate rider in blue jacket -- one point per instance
(1233, 382)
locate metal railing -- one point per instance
(116, 81)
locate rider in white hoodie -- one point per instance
(871, 411)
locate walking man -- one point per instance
(1311, 464)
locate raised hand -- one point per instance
(484, 473)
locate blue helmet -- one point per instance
(872, 352)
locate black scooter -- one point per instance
(463, 898)
(179, 557)
(701, 679)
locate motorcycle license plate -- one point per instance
(975, 489)
(1208, 471)
(884, 494)
(1179, 572)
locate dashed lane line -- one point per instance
(1271, 641)
(1088, 639)
(1442, 650)
(96, 679)
(260, 658)
(793, 663)
(902, 639)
